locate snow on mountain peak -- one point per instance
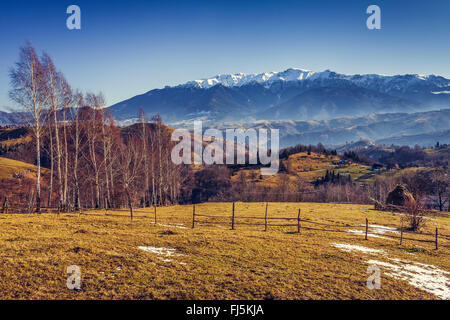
(240, 79)
(295, 74)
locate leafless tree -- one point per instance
(144, 137)
(53, 89)
(93, 136)
(29, 91)
(440, 179)
(76, 143)
(130, 163)
(414, 216)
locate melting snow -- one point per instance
(166, 252)
(362, 233)
(381, 229)
(375, 231)
(350, 247)
(175, 225)
(422, 276)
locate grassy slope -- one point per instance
(12, 142)
(220, 264)
(9, 167)
(310, 168)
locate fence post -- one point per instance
(5, 206)
(232, 219)
(155, 212)
(193, 216)
(367, 227)
(106, 207)
(401, 234)
(298, 221)
(436, 238)
(265, 218)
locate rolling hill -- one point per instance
(423, 128)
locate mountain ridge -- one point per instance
(266, 95)
(297, 74)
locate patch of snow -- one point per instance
(351, 247)
(175, 225)
(375, 231)
(420, 275)
(363, 233)
(165, 252)
(426, 277)
(381, 229)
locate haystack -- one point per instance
(399, 196)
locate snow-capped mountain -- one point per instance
(293, 94)
(242, 79)
(307, 107)
(381, 82)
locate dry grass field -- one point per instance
(124, 259)
(9, 168)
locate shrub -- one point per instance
(414, 216)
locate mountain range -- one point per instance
(308, 107)
(422, 128)
(293, 94)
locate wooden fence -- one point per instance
(234, 220)
(298, 222)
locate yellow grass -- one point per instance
(9, 167)
(309, 168)
(13, 142)
(216, 262)
(302, 162)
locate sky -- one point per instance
(125, 48)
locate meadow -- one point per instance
(120, 258)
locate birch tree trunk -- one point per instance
(49, 201)
(144, 148)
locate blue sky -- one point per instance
(126, 48)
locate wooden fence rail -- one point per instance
(237, 220)
(266, 224)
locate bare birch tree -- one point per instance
(144, 137)
(95, 102)
(53, 89)
(29, 91)
(130, 162)
(76, 141)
